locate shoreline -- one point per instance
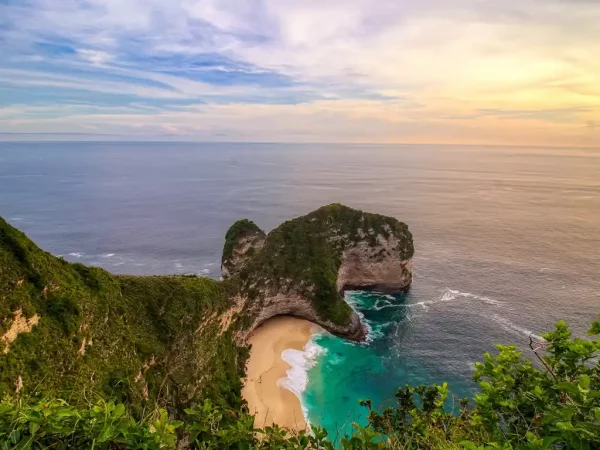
(266, 383)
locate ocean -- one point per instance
(507, 240)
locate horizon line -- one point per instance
(160, 141)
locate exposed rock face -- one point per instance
(374, 268)
(20, 324)
(242, 241)
(296, 305)
(303, 267)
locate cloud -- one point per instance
(95, 57)
(455, 70)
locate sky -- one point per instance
(512, 72)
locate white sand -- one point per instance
(271, 403)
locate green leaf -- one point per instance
(571, 388)
(584, 381)
(64, 413)
(105, 435)
(15, 436)
(119, 410)
(548, 441)
(593, 394)
(33, 428)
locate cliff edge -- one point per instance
(303, 267)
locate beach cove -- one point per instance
(272, 387)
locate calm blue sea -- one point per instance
(507, 239)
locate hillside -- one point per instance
(142, 340)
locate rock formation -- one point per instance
(303, 267)
(242, 240)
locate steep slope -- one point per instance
(302, 267)
(68, 327)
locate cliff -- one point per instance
(145, 341)
(303, 267)
(172, 341)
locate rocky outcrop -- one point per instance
(293, 304)
(376, 268)
(303, 267)
(20, 324)
(242, 241)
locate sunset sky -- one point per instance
(421, 71)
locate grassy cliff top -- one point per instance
(144, 340)
(304, 255)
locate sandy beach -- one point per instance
(269, 402)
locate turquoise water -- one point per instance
(342, 372)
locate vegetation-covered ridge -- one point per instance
(142, 341)
(303, 256)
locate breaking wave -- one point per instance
(450, 295)
(510, 326)
(300, 361)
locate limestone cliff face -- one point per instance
(297, 305)
(303, 267)
(374, 268)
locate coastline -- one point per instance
(270, 393)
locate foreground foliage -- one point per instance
(519, 406)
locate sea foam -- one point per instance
(300, 361)
(372, 334)
(510, 326)
(451, 295)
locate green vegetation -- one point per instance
(237, 231)
(304, 255)
(144, 341)
(518, 407)
(90, 360)
(158, 341)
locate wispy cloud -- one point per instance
(353, 70)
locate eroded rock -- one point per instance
(303, 267)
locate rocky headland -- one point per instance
(303, 267)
